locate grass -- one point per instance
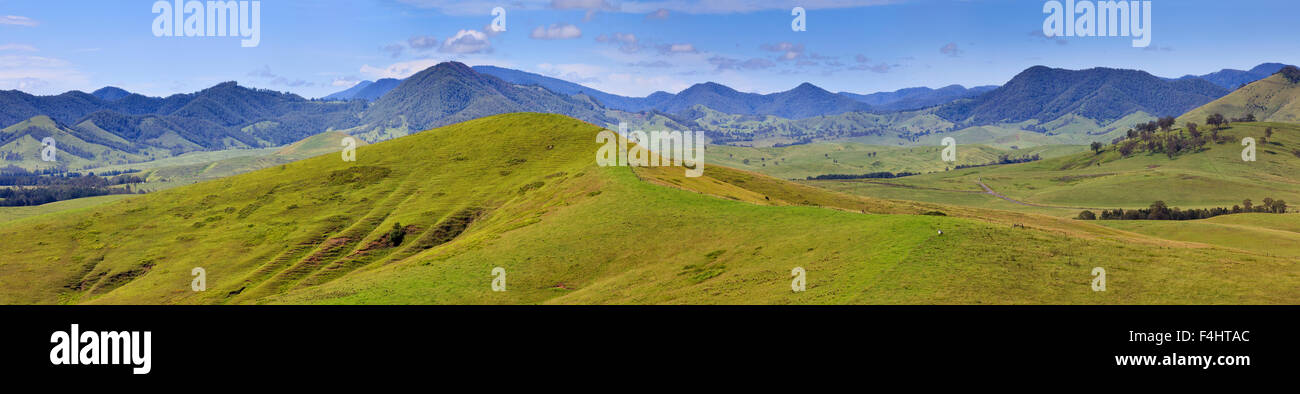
(802, 161)
(522, 192)
(1214, 177)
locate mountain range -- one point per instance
(1232, 79)
(113, 125)
(1103, 94)
(719, 96)
(915, 98)
(366, 90)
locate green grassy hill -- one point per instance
(1272, 99)
(523, 192)
(20, 145)
(802, 161)
(1214, 177)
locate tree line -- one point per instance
(873, 175)
(1160, 211)
(1003, 159)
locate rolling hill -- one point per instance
(1214, 176)
(77, 148)
(1272, 99)
(522, 192)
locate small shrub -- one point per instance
(396, 235)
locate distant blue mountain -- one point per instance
(803, 101)
(349, 93)
(914, 98)
(110, 93)
(1102, 94)
(614, 101)
(366, 90)
(1232, 79)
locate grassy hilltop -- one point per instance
(523, 192)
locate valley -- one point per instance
(505, 176)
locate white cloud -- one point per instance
(627, 42)
(39, 75)
(583, 5)
(17, 47)
(345, 82)
(466, 42)
(574, 72)
(743, 6)
(558, 31)
(17, 21)
(659, 14)
(640, 84)
(399, 70)
(787, 50)
(405, 69)
(423, 43)
(475, 7)
(651, 8)
(677, 48)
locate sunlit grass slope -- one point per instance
(1213, 177)
(523, 192)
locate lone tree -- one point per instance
(1215, 120)
(1166, 123)
(1096, 147)
(1087, 215)
(1268, 132)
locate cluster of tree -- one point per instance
(22, 196)
(1160, 211)
(1291, 73)
(1003, 159)
(1159, 137)
(81, 181)
(25, 188)
(802, 141)
(873, 175)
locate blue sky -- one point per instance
(314, 48)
